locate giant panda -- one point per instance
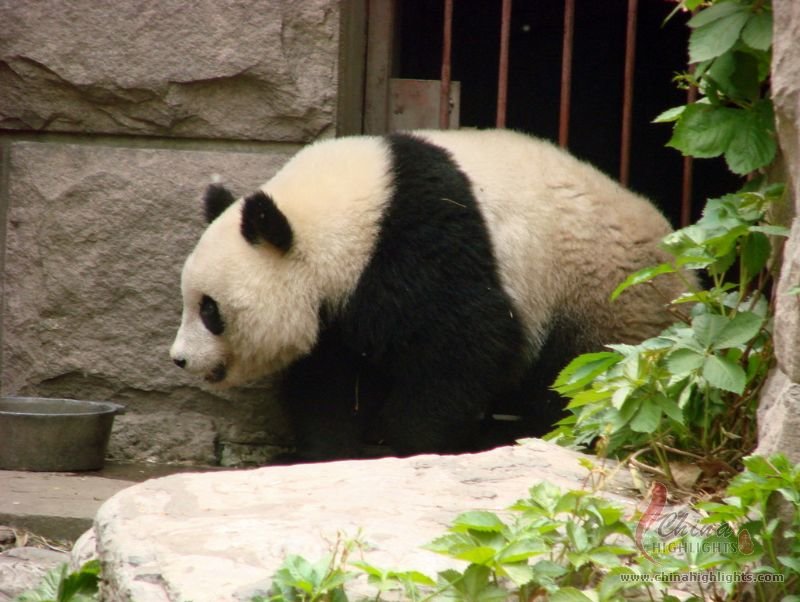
(409, 289)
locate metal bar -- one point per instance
(447, 43)
(502, 78)
(688, 170)
(566, 73)
(627, 99)
(380, 25)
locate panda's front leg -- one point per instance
(331, 396)
(317, 394)
(433, 415)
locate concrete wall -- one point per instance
(779, 412)
(113, 117)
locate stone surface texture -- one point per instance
(96, 240)
(779, 412)
(22, 569)
(53, 505)
(113, 118)
(220, 537)
(263, 70)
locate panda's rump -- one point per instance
(565, 235)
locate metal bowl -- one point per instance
(54, 434)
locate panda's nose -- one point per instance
(179, 361)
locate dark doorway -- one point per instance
(597, 81)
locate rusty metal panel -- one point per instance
(414, 103)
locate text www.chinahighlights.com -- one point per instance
(703, 577)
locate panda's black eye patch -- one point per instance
(209, 314)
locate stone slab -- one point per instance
(54, 505)
(261, 70)
(96, 238)
(22, 569)
(220, 537)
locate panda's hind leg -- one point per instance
(530, 407)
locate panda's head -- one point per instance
(249, 305)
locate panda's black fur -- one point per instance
(427, 337)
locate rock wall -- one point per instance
(779, 412)
(113, 117)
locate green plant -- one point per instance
(299, 580)
(567, 546)
(691, 391)
(752, 553)
(729, 48)
(575, 546)
(764, 502)
(59, 585)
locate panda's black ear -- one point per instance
(216, 200)
(263, 221)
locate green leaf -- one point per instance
(790, 562)
(722, 373)
(58, 585)
(643, 275)
(588, 396)
(450, 544)
(474, 584)
(670, 115)
(757, 33)
(477, 555)
(620, 396)
(707, 328)
(704, 131)
(47, 590)
(547, 570)
(577, 536)
(569, 594)
(647, 418)
(683, 361)
(752, 144)
(738, 331)
(605, 559)
(520, 574)
(584, 369)
(771, 230)
(715, 37)
(479, 520)
(756, 250)
(736, 75)
(714, 13)
(522, 550)
(82, 585)
(671, 409)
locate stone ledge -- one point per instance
(54, 505)
(220, 537)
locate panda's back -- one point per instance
(564, 233)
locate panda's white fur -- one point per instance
(563, 235)
(563, 232)
(335, 228)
